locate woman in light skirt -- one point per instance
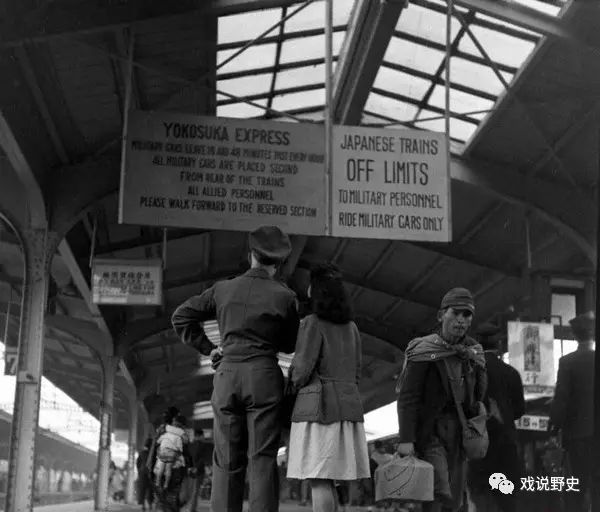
(327, 438)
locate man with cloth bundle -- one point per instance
(257, 318)
(429, 425)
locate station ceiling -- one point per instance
(524, 119)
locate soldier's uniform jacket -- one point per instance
(257, 316)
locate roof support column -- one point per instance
(541, 298)
(132, 446)
(109, 370)
(38, 246)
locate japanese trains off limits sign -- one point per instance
(206, 172)
(390, 184)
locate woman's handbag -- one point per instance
(474, 430)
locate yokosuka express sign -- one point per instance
(205, 172)
(217, 173)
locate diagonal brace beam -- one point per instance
(371, 26)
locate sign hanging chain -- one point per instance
(93, 241)
(447, 109)
(329, 113)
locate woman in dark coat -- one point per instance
(327, 438)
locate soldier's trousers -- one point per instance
(245, 401)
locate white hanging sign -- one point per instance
(531, 352)
(127, 282)
(193, 171)
(390, 184)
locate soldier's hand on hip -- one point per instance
(215, 357)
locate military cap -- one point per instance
(487, 335)
(270, 242)
(459, 298)
(584, 325)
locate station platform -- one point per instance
(203, 506)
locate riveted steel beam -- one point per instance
(372, 24)
(71, 19)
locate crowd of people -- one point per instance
(447, 377)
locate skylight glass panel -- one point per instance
(460, 130)
(253, 57)
(443, 4)
(299, 100)
(496, 21)
(313, 16)
(413, 55)
(303, 48)
(401, 83)
(479, 117)
(300, 76)
(241, 110)
(501, 48)
(476, 75)
(369, 119)
(246, 85)
(426, 23)
(544, 7)
(248, 25)
(460, 102)
(309, 116)
(390, 107)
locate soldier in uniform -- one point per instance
(257, 317)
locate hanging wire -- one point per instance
(447, 109)
(329, 111)
(93, 241)
(164, 248)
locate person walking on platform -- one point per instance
(167, 418)
(201, 452)
(257, 317)
(505, 402)
(144, 487)
(572, 410)
(327, 438)
(428, 419)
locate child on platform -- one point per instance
(170, 451)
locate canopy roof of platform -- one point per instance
(524, 159)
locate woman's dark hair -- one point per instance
(181, 419)
(169, 414)
(330, 300)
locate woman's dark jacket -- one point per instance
(326, 370)
(425, 395)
